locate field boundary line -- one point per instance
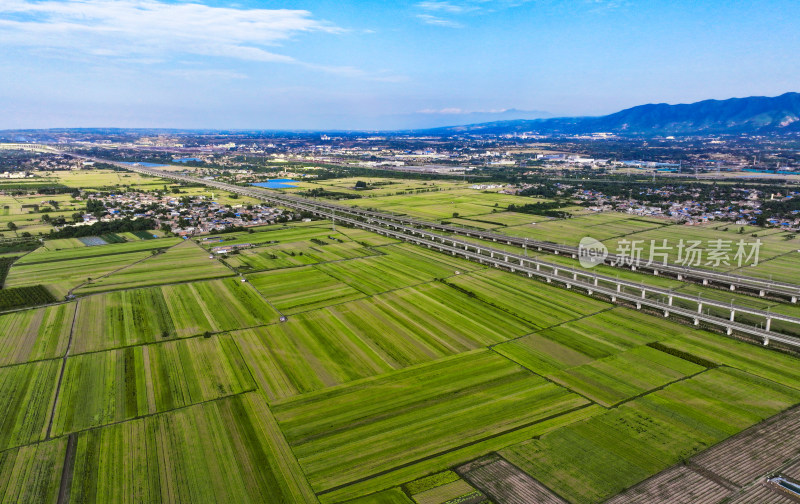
(262, 296)
(69, 293)
(389, 413)
(537, 331)
(547, 379)
(660, 387)
(93, 256)
(169, 340)
(494, 498)
(776, 418)
(118, 422)
(255, 272)
(15, 364)
(67, 470)
(777, 256)
(505, 310)
(453, 449)
(150, 286)
(61, 374)
(711, 475)
(370, 296)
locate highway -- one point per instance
(615, 289)
(747, 285)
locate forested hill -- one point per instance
(755, 114)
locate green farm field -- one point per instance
(363, 338)
(442, 205)
(602, 226)
(286, 255)
(363, 371)
(106, 387)
(66, 269)
(36, 334)
(139, 316)
(181, 263)
(346, 433)
(302, 289)
(400, 266)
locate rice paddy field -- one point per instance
(362, 371)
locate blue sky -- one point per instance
(375, 65)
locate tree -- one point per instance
(361, 184)
(45, 218)
(12, 226)
(77, 217)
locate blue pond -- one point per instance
(277, 183)
(187, 159)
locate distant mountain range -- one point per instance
(755, 114)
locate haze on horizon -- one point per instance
(350, 64)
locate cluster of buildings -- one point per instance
(186, 215)
(688, 208)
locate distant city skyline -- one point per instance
(379, 65)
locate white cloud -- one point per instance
(437, 21)
(189, 73)
(439, 6)
(153, 29)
